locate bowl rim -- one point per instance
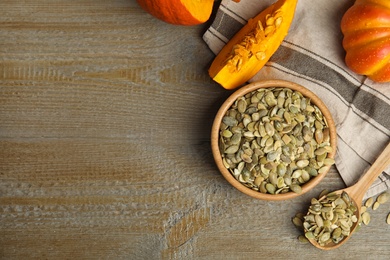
(215, 131)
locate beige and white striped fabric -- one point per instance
(312, 55)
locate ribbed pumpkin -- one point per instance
(366, 29)
(179, 12)
(250, 49)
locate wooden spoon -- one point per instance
(356, 193)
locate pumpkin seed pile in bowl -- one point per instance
(273, 140)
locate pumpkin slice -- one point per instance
(250, 49)
(179, 12)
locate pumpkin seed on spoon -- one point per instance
(340, 211)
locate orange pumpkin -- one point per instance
(179, 12)
(251, 47)
(366, 29)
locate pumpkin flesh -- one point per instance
(250, 49)
(179, 12)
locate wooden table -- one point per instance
(105, 118)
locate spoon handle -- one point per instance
(380, 164)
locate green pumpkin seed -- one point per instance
(262, 187)
(329, 161)
(302, 163)
(327, 220)
(272, 133)
(281, 169)
(324, 237)
(258, 180)
(232, 149)
(270, 188)
(320, 151)
(280, 182)
(336, 233)
(323, 193)
(270, 99)
(273, 178)
(297, 221)
(236, 138)
(296, 188)
(241, 105)
(309, 235)
(227, 133)
(229, 121)
(322, 170)
(303, 239)
(269, 129)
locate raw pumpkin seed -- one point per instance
(366, 218)
(383, 198)
(314, 221)
(369, 202)
(310, 235)
(375, 206)
(303, 239)
(330, 218)
(297, 221)
(270, 133)
(323, 193)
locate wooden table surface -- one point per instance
(105, 118)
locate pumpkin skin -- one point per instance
(366, 30)
(232, 74)
(179, 12)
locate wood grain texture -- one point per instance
(105, 119)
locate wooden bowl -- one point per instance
(216, 135)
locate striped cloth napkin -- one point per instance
(312, 55)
